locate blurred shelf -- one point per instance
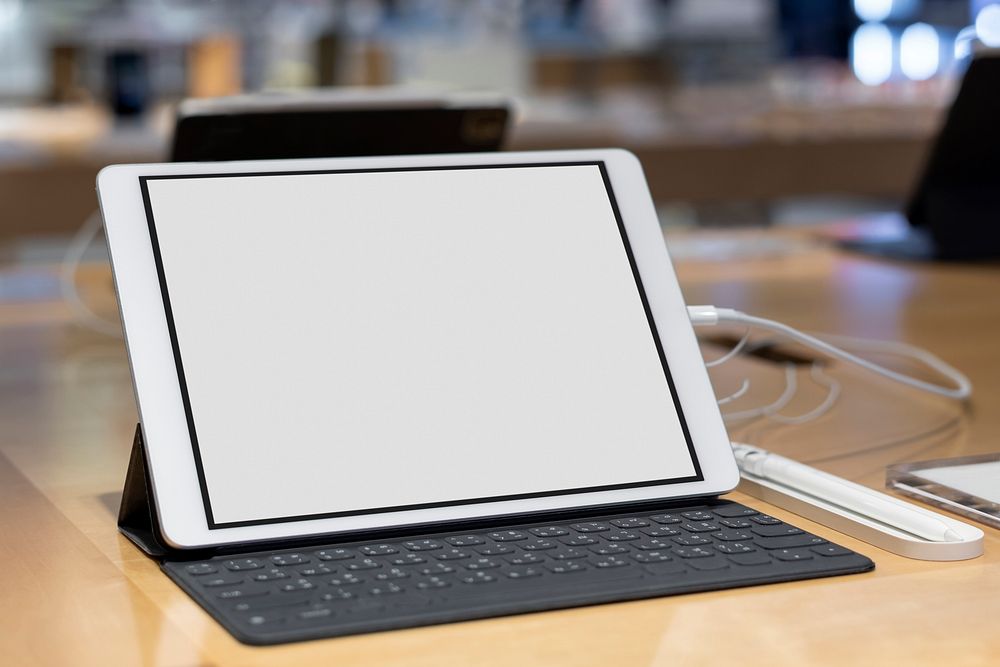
(707, 144)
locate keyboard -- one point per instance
(284, 595)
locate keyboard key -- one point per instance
(386, 589)
(667, 568)
(199, 569)
(346, 579)
(407, 559)
(477, 578)
(651, 556)
(334, 554)
(830, 550)
(273, 602)
(364, 564)
(523, 572)
(765, 520)
(692, 552)
(660, 531)
(525, 559)
(464, 540)
(578, 540)
(433, 582)
(698, 515)
(538, 545)
(608, 562)
(568, 554)
(379, 550)
(548, 531)
(436, 568)
(496, 550)
(241, 564)
(289, 559)
(735, 523)
(249, 591)
(451, 554)
(508, 536)
(792, 554)
(336, 595)
(733, 511)
(482, 564)
(789, 541)
(565, 567)
(633, 522)
(752, 558)
(699, 526)
(776, 530)
(298, 585)
(654, 545)
(691, 540)
(733, 536)
(713, 563)
(608, 549)
(271, 575)
(313, 571)
(590, 527)
(367, 605)
(221, 580)
(315, 613)
(423, 545)
(666, 519)
(262, 620)
(734, 548)
(620, 536)
(392, 573)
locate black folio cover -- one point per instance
(137, 518)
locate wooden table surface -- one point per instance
(74, 592)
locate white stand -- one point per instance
(866, 528)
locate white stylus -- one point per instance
(843, 493)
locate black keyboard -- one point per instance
(285, 595)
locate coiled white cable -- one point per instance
(710, 316)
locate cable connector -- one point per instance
(704, 316)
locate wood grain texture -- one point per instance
(75, 592)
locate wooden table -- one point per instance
(73, 591)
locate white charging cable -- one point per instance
(67, 279)
(702, 316)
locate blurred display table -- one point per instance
(76, 592)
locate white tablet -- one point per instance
(324, 346)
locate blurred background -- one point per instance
(744, 112)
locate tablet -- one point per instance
(337, 345)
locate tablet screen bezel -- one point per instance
(173, 467)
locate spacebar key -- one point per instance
(573, 583)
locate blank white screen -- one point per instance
(358, 341)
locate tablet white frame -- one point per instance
(173, 473)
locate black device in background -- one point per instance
(957, 199)
(127, 83)
(335, 124)
(954, 209)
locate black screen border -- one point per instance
(175, 345)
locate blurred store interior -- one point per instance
(744, 112)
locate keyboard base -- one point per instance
(362, 587)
